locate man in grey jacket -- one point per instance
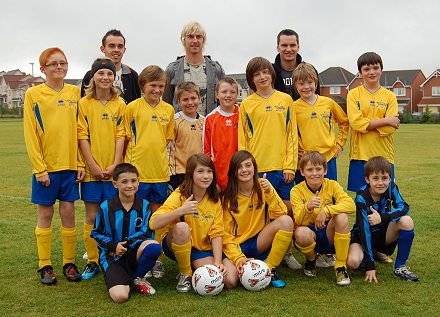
(195, 67)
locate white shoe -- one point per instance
(291, 262)
(183, 283)
(143, 286)
(85, 256)
(325, 260)
(148, 274)
(158, 270)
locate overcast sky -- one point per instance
(406, 33)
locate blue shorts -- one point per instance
(153, 192)
(62, 187)
(356, 175)
(276, 178)
(250, 249)
(97, 192)
(323, 246)
(196, 254)
(332, 172)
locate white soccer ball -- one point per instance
(207, 280)
(256, 275)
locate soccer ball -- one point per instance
(207, 280)
(256, 275)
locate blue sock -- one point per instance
(404, 243)
(147, 259)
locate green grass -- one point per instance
(21, 294)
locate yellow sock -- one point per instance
(308, 251)
(182, 252)
(342, 243)
(90, 244)
(280, 245)
(44, 245)
(68, 238)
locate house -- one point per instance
(243, 88)
(13, 85)
(334, 82)
(404, 83)
(430, 93)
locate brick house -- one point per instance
(13, 85)
(430, 93)
(334, 82)
(404, 83)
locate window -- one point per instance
(335, 90)
(436, 91)
(401, 91)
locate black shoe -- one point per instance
(309, 268)
(71, 272)
(47, 277)
(405, 274)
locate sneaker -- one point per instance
(330, 259)
(405, 274)
(321, 261)
(148, 274)
(90, 271)
(85, 256)
(158, 270)
(382, 258)
(275, 280)
(309, 268)
(71, 272)
(342, 278)
(291, 262)
(183, 283)
(143, 286)
(47, 276)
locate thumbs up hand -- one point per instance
(374, 218)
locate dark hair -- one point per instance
(229, 201)
(313, 157)
(255, 65)
(113, 32)
(124, 168)
(287, 32)
(369, 58)
(186, 188)
(377, 164)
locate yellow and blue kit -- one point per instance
(249, 221)
(148, 130)
(205, 225)
(317, 126)
(334, 200)
(101, 125)
(267, 129)
(50, 129)
(187, 141)
(363, 106)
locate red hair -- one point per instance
(44, 56)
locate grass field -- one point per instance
(21, 294)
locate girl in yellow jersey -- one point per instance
(50, 135)
(101, 136)
(193, 220)
(249, 205)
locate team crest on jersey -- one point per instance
(196, 279)
(207, 217)
(254, 266)
(154, 118)
(314, 115)
(228, 122)
(164, 120)
(372, 103)
(209, 288)
(268, 108)
(72, 102)
(253, 282)
(325, 116)
(105, 116)
(382, 104)
(115, 117)
(60, 103)
(280, 108)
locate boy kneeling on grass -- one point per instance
(382, 222)
(320, 207)
(127, 250)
